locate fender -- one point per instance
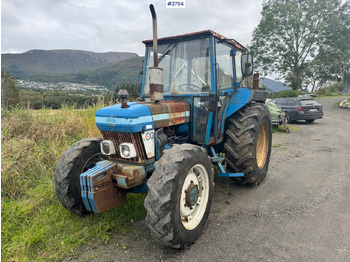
(239, 99)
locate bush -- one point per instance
(333, 89)
(286, 93)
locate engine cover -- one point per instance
(141, 116)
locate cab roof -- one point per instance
(196, 35)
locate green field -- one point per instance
(35, 227)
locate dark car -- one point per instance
(299, 108)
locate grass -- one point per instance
(338, 103)
(35, 226)
(280, 128)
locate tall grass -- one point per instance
(35, 227)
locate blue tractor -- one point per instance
(195, 111)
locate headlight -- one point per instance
(127, 150)
(107, 147)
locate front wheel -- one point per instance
(179, 195)
(80, 157)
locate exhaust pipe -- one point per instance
(156, 89)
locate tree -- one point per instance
(289, 36)
(335, 50)
(31, 99)
(9, 90)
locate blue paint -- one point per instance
(182, 129)
(122, 181)
(239, 99)
(86, 184)
(207, 134)
(140, 189)
(221, 167)
(212, 64)
(103, 167)
(216, 160)
(133, 119)
(231, 175)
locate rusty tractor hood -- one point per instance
(140, 116)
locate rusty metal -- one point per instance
(156, 91)
(98, 191)
(123, 95)
(156, 84)
(256, 81)
(128, 176)
(118, 138)
(169, 113)
(197, 35)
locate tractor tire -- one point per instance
(80, 157)
(179, 195)
(248, 143)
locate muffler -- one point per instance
(155, 73)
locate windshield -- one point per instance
(186, 67)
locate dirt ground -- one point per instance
(300, 213)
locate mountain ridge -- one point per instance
(58, 61)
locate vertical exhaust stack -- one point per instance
(155, 73)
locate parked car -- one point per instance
(299, 108)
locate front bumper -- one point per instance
(105, 186)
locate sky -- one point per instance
(117, 25)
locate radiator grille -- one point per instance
(118, 138)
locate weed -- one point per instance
(35, 226)
(280, 129)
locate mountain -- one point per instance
(111, 75)
(58, 62)
(273, 86)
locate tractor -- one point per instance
(196, 111)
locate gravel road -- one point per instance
(300, 213)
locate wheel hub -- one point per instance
(192, 194)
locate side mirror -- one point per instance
(247, 64)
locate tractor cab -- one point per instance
(203, 69)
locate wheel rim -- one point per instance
(262, 146)
(194, 197)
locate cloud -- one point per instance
(105, 25)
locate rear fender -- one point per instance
(239, 99)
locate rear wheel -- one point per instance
(248, 143)
(287, 116)
(179, 195)
(80, 157)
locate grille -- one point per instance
(119, 138)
